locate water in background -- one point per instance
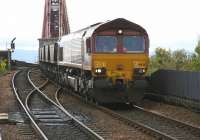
(30, 56)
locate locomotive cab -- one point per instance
(104, 61)
(119, 58)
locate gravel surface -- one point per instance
(37, 77)
(11, 132)
(8, 102)
(107, 126)
(176, 130)
(172, 111)
(50, 90)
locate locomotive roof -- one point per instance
(118, 23)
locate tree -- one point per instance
(180, 59)
(163, 57)
(196, 58)
(197, 49)
(161, 60)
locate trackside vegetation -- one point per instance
(175, 60)
(3, 66)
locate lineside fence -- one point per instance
(180, 87)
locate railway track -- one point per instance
(151, 123)
(157, 125)
(108, 130)
(101, 122)
(48, 119)
(168, 126)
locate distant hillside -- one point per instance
(25, 55)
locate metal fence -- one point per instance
(182, 84)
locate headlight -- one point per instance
(120, 31)
(139, 71)
(100, 71)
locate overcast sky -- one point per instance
(171, 24)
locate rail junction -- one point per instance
(48, 119)
(141, 123)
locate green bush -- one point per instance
(3, 66)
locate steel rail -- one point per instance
(35, 126)
(86, 129)
(56, 97)
(126, 120)
(130, 122)
(30, 94)
(153, 131)
(167, 118)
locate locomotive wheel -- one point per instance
(95, 101)
(86, 99)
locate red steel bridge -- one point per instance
(55, 22)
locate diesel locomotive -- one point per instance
(105, 62)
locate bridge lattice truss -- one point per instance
(55, 23)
